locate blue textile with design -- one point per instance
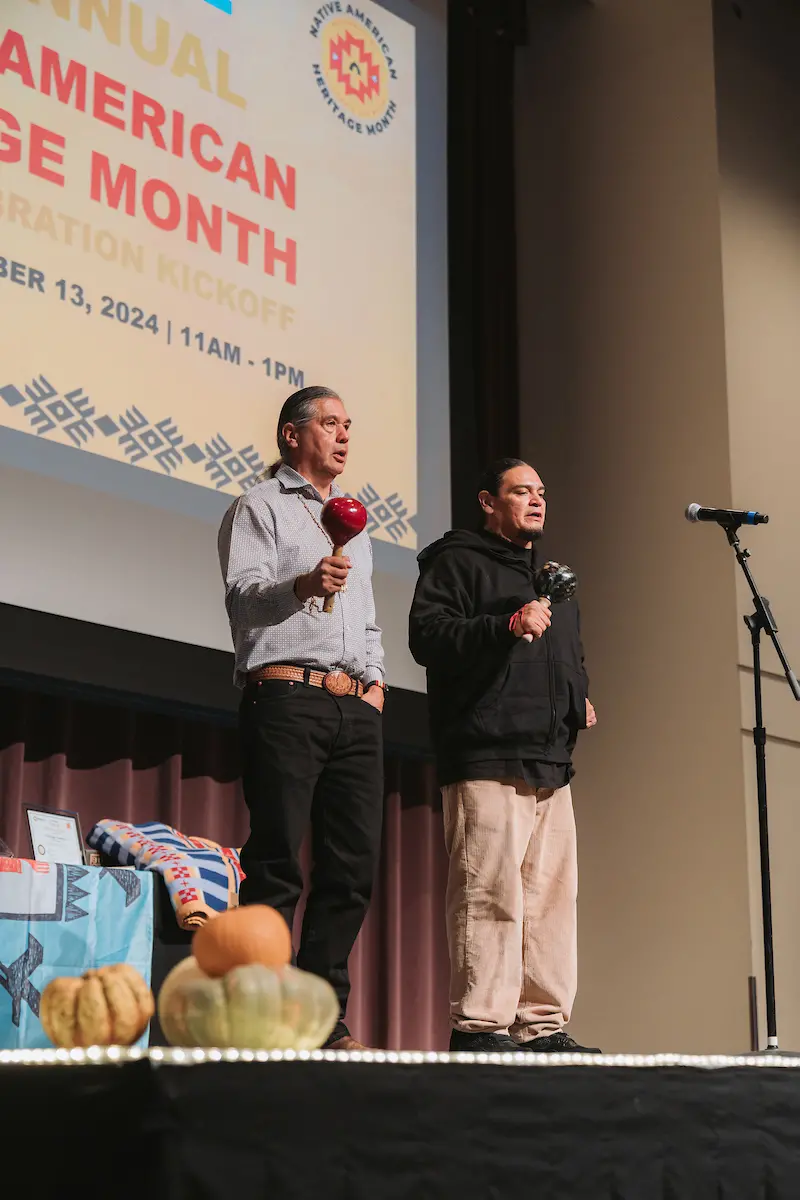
(58, 920)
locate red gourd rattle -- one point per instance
(343, 518)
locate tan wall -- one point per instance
(625, 413)
(758, 91)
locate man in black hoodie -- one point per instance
(507, 694)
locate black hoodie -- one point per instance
(491, 695)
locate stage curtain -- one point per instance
(101, 760)
(484, 385)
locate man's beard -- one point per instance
(524, 537)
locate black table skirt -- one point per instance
(360, 1131)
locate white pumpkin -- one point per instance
(253, 1007)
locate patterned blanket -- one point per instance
(202, 877)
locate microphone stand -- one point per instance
(762, 620)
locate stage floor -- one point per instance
(362, 1127)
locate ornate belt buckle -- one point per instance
(338, 683)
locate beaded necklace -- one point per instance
(320, 527)
(314, 604)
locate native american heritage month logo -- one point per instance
(355, 68)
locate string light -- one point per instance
(190, 1056)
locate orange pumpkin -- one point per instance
(240, 936)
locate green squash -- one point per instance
(251, 1008)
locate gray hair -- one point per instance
(299, 409)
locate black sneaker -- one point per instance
(481, 1043)
(557, 1043)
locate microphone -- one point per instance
(725, 516)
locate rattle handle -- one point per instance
(528, 637)
(327, 607)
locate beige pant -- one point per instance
(511, 906)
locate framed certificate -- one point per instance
(55, 835)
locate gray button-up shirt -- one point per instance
(268, 537)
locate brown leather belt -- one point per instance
(338, 683)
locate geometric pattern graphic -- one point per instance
(213, 463)
(129, 881)
(140, 438)
(72, 909)
(352, 64)
(354, 67)
(15, 978)
(389, 515)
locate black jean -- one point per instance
(308, 756)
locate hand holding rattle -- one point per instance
(555, 583)
(342, 518)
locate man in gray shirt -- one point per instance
(312, 691)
